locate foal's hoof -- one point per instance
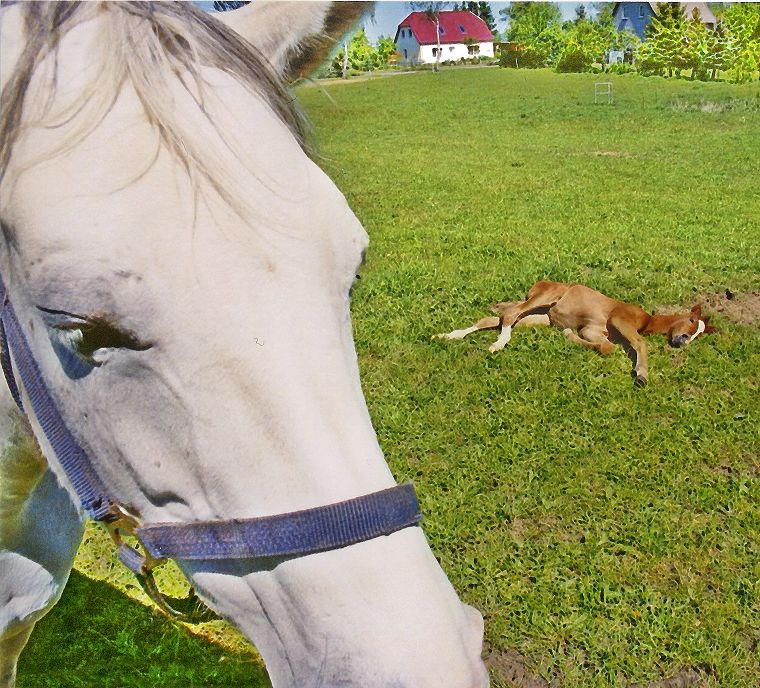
(640, 381)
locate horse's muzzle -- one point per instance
(680, 340)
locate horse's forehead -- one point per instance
(118, 184)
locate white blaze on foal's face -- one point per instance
(201, 350)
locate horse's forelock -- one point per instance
(148, 42)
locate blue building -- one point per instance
(635, 16)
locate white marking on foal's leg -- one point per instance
(503, 340)
(458, 334)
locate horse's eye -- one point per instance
(88, 337)
(80, 343)
(691, 320)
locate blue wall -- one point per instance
(635, 22)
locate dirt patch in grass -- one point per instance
(716, 106)
(684, 678)
(739, 307)
(611, 154)
(512, 667)
(742, 308)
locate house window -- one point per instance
(451, 48)
(625, 10)
(473, 49)
(406, 57)
(641, 11)
(435, 51)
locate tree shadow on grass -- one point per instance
(96, 636)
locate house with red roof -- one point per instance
(460, 35)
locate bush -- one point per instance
(574, 60)
(621, 68)
(528, 58)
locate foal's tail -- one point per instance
(503, 307)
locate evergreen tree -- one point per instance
(666, 46)
(740, 24)
(697, 38)
(479, 9)
(225, 5)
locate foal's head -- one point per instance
(182, 270)
(684, 328)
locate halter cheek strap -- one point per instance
(292, 534)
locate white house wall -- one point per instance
(449, 51)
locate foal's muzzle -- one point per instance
(680, 340)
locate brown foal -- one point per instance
(592, 319)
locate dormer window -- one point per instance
(441, 30)
(461, 28)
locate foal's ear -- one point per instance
(697, 310)
(709, 329)
(294, 36)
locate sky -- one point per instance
(389, 14)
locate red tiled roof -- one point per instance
(455, 27)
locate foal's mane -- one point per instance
(145, 44)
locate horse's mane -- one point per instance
(145, 44)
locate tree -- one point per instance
(697, 48)
(479, 9)
(585, 43)
(666, 47)
(225, 5)
(357, 53)
(536, 26)
(432, 10)
(386, 49)
(740, 24)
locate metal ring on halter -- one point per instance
(190, 609)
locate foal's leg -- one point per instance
(513, 314)
(487, 323)
(591, 338)
(40, 531)
(636, 346)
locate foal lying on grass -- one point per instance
(591, 319)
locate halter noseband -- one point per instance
(292, 534)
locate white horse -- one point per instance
(182, 271)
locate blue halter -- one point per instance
(283, 535)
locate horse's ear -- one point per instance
(709, 329)
(697, 310)
(294, 36)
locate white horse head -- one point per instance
(182, 271)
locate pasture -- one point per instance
(610, 535)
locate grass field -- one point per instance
(610, 535)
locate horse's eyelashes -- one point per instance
(78, 340)
(100, 334)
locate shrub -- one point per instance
(574, 59)
(621, 68)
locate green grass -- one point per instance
(610, 535)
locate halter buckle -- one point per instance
(189, 609)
